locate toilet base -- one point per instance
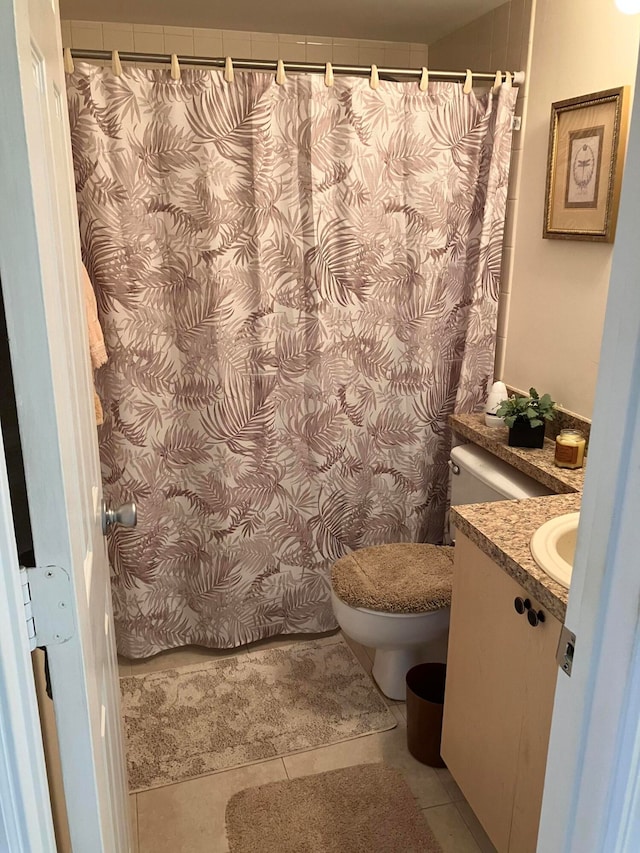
(401, 640)
(390, 666)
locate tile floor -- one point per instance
(189, 817)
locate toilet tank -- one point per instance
(478, 476)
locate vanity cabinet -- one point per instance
(501, 679)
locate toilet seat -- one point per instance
(404, 577)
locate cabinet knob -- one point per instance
(521, 604)
(535, 617)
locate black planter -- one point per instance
(522, 435)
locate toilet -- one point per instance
(396, 598)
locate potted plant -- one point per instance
(525, 417)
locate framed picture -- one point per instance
(584, 168)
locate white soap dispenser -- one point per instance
(497, 394)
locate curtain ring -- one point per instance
(328, 74)
(281, 76)
(498, 81)
(468, 82)
(374, 80)
(228, 70)
(424, 80)
(175, 67)
(508, 79)
(116, 65)
(69, 67)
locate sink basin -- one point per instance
(553, 547)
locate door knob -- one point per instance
(126, 515)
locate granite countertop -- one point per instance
(537, 464)
(503, 529)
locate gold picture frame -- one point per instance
(584, 166)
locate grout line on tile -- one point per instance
(399, 717)
(471, 838)
(136, 829)
(474, 826)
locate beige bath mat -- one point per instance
(193, 720)
(368, 808)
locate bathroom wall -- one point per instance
(499, 39)
(554, 317)
(190, 41)
(553, 292)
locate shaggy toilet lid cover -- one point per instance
(397, 578)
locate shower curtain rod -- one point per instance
(304, 67)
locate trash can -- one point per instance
(425, 705)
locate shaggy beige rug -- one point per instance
(368, 808)
(194, 720)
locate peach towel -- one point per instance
(97, 348)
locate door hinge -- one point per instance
(48, 614)
(566, 650)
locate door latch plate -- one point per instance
(566, 650)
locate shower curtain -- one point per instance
(297, 284)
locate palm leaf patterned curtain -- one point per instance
(297, 284)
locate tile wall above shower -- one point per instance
(501, 38)
(190, 41)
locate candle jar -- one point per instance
(570, 446)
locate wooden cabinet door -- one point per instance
(486, 688)
(501, 681)
(539, 691)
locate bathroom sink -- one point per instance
(553, 546)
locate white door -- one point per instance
(40, 272)
(25, 815)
